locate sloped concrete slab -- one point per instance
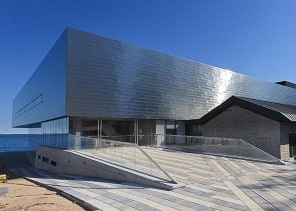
(76, 163)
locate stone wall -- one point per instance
(287, 128)
(237, 122)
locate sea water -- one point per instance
(13, 143)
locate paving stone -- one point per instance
(141, 206)
(190, 190)
(254, 185)
(181, 207)
(202, 208)
(165, 202)
(121, 206)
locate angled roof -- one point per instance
(275, 111)
(287, 83)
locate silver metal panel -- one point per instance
(49, 82)
(287, 110)
(112, 79)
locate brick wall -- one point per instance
(236, 122)
(287, 128)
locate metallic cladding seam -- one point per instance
(112, 79)
(48, 79)
(92, 76)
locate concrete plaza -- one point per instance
(212, 183)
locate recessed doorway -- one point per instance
(292, 143)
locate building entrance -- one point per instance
(292, 142)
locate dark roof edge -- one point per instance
(233, 100)
(287, 84)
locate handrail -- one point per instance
(205, 146)
(169, 176)
(237, 148)
(262, 151)
(134, 145)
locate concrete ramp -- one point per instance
(79, 163)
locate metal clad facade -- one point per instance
(112, 79)
(43, 97)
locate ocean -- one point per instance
(13, 143)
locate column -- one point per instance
(100, 126)
(136, 126)
(160, 131)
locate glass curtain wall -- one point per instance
(55, 133)
(34, 137)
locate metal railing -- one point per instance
(236, 148)
(142, 140)
(124, 154)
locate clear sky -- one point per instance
(253, 37)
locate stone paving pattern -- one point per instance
(212, 183)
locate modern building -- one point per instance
(90, 85)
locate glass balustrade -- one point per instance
(237, 148)
(208, 145)
(125, 150)
(124, 154)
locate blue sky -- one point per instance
(253, 37)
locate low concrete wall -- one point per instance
(72, 162)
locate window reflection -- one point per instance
(52, 133)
